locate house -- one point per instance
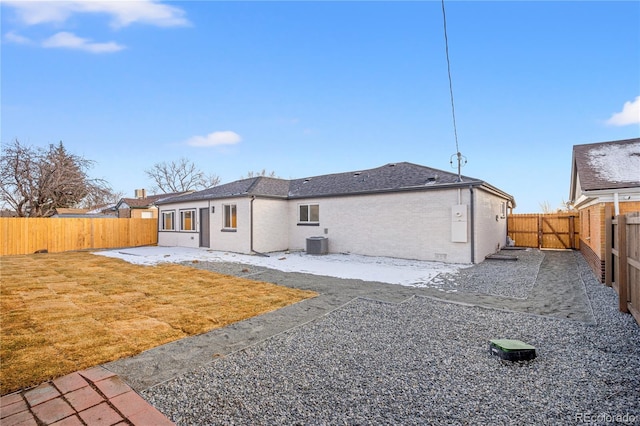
(603, 174)
(401, 210)
(142, 206)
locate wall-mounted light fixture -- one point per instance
(213, 209)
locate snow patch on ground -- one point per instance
(406, 272)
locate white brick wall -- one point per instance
(271, 225)
(490, 226)
(411, 225)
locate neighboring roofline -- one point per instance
(153, 199)
(588, 198)
(574, 177)
(576, 184)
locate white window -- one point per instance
(230, 216)
(503, 209)
(167, 223)
(146, 215)
(309, 213)
(188, 220)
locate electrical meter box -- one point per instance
(459, 228)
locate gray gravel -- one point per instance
(491, 276)
(423, 361)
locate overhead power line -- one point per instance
(460, 158)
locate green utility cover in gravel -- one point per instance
(511, 345)
(512, 350)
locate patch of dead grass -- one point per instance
(64, 312)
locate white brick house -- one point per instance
(399, 210)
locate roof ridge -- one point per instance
(254, 183)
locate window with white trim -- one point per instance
(188, 220)
(167, 222)
(309, 213)
(230, 217)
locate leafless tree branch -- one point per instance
(36, 181)
(180, 176)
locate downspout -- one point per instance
(472, 225)
(253, 198)
(616, 204)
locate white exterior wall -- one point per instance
(411, 225)
(237, 241)
(177, 237)
(490, 224)
(270, 225)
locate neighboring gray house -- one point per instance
(143, 206)
(401, 210)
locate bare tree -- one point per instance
(263, 172)
(101, 200)
(180, 176)
(545, 207)
(565, 206)
(36, 181)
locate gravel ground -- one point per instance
(423, 361)
(491, 276)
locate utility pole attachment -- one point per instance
(461, 160)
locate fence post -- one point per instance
(539, 231)
(622, 264)
(608, 245)
(572, 232)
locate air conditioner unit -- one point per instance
(317, 245)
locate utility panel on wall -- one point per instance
(459, 223)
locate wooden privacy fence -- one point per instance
(622, 260)
(28, 235)
(545, 230)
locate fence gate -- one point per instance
(548, 230)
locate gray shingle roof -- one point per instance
(263, 186)
(388, 178)
(608, 165)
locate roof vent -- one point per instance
(392, 165)
(357, 173)
(306, 180)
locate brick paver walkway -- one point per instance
(90, 397)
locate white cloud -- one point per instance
(71, 41)
(214, 139)
(630, 114)
(122, 13)
(13, 37)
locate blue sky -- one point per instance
(306, 88)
